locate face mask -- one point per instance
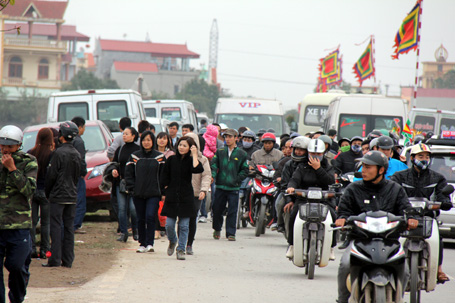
(247, 144)
(421, 164)
(356, 148)
(345, 149)
(318, 157)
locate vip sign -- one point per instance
(249, 104)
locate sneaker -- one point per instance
(216, 235)
(274, 226)
(189, 250)
(202, 220)
(149, 248)
(231, 238)
(170, 248)
(141, 249)
(290, 252)
(281, 229)
(180, 255)
(332, 254)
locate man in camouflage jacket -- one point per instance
(18, 172)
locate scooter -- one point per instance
(312, 232)
(262, 198)
(377, 258)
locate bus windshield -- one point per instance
(361, 125)
(252, 121)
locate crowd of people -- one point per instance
(159, 185)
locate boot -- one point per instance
(123, 238)
(135, 234)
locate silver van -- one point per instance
(107, 105)
(180, 111)
(427, 120)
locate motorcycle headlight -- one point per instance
(257, 187)
(376, 225)
(97, 171)
(314, 195)
(271, 190)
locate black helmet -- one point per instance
(385, 142)
(271, 130)
(418, 139)
(395, 138)
(261, 132)
(344, 140)
(249, 134)
(358, 138)
(68, 130)
(376, 133)
(374, 157)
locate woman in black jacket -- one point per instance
(142, 180)
(176, 179)
(125, 201)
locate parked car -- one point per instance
(160, 124)
(97, 139)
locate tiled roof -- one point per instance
(156, 49)
(135, 67)
(44, 9)
(50, 30)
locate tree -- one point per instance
(201, 94)
(87, 80)
(291, 116)
(447, 81)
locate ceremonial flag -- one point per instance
(364, 67)
(330, 71)
(408, 34)
(407, 133)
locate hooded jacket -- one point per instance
(201, 182)
(210, 137)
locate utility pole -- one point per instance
(213, 52)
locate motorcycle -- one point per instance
(377, 258)
(312, 235)
(242, 216)
(262, 197)
(283, 217)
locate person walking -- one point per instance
(142, 175)
(81, 205)
(43, 150)
(201, 185)
(125, 200)
(61, 189)
(18, 171)
(229, 169)
(176, 179)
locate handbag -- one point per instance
(122, 187)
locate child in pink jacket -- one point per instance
(210, 137)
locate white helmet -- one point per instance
(316, 146)
(10, 135)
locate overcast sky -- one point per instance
(271, 49)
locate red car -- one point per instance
(97, 139)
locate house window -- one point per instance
(43, 69)
(15, 68)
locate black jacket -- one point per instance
(427, 184)
(63, 174)
(142, 173)
(346, 162)
(177, 176)
(281, 164)
(122, 156)
(361, 197)
(249, 151)
(286, 175)
(79, 145)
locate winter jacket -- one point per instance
(142, 173)
(177, 175)
(79, 145)
(249, 151)
(63, 174)
(361, 197)
(122, 156)
(42, 171)
(286, 175)
(261, 157)
(201, 182)
(394, 166)
(229, 172)
(426, 183)
(210, 137)
(345, 162)
(281, 164)
(16, 191)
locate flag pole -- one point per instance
(373, 55)
(416, 82)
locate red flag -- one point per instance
(364, 67)
(407, 37)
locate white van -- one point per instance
(252, 113)
(180, 111)
(107, 105)
(358, 114)
(313, 109)
(432, 120)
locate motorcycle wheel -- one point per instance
(312, 255)
(260, 221)
(244, 223)
(414, 282)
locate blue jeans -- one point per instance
(15, 253)
(125, 202)
(223, 197)
(146, 211)
(183, 231)
(81, 206)
(203, 209)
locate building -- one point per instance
(433, 70)
(160, 67)
(39, 52)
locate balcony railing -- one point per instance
(43, 83)
(21, 42)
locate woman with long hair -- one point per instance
(164, 144)
(176, 179)
(43, 150)
(142, 177)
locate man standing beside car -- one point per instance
(81, 205)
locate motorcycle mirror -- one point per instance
(447, 190)
(358, 174)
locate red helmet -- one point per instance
(268, 137)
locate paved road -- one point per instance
(248, 270)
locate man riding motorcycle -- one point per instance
(421, 181)
(372, 193)
(267, 155)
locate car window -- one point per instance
(447, 124)
(352, 125)
(94, 139)
(445, 165)
(29, 140)
(424, 123)
(150, 112)
(171, 113)
(315, 115)
(67, 111)
(110, 112)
